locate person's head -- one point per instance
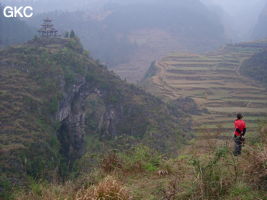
(239, 116)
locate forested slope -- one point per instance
(58, 105)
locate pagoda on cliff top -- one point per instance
(47, 29)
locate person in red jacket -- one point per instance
(240, 131)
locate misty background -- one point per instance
(127, 35)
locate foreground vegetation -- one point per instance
(205, 170)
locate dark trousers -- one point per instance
(238, 145)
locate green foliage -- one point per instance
(36, 188)
(74, 44)
(54, 146)
(72, 34)
(40, 160)
(212, 180)
(66, 35)
(92, 77)
(242, 191)
(64, 169)
(6, 191)
(143, 157)
(86, 53)
(41, 123)
(53, 105)
(36, 166)
(69, 76)
(150, 167)
(113, 99)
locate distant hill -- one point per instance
(129, 37)
(58, 105)
(13, 31)
(216, 82)
(260, 31)
(256, 67)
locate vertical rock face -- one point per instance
(72, 116)
(108, 124)
(72, 119)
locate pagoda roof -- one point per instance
(47, 28)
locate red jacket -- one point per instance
(241, 125)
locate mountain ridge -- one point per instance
(58, 104)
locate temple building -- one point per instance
(47, 29)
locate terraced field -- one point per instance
(214, 82)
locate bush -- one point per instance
(242, 191)
(256, 166)
(141, 158)
(108, 189)
(5, 188)
(42, 191)
(212, 182)
(110, 163)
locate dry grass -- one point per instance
(205, 170)
(172, 190)
(48, 192)
(110, 163)
(108, 189)
(256, 162)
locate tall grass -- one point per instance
(108, 189)
(213, 175)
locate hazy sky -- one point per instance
(233, 7)
(239, 7)
(240, 15)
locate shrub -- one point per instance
(172, 190)
(5, 188)
(110, 163)
(150, 167)
(256, 166)
(212, 181)
(42, 191)
(243, 192)
(108, 189)
(141, 158)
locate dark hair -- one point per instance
(239, 116)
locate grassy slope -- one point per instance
(205, 170)
(214, 82)
(37, 78)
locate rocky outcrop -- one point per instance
(72, 118)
